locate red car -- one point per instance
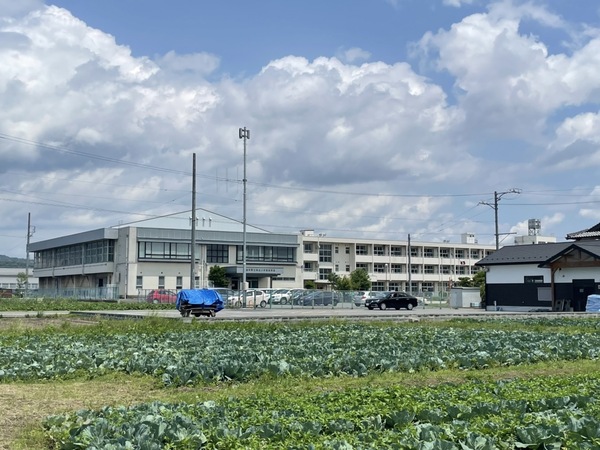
(161, 296)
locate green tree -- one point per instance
(218, 277)
(22, 279)
(479, 280)
(340, 283)
(359, 280)
(310, 284)
(464, 282)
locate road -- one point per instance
(300, 313)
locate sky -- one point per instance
(371, 119)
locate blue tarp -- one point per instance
(200, 297)
(593, 303)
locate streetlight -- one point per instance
(244, 134)
(387, 282)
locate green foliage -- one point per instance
(542, 413)
(22, 280)
(360, 281)
(65, 304)
(7, 261)
(226, 352)
(310, 284)
(340, 283)
(479, 278)
(218, 276)
(464, 282)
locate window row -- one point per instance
(75, 255)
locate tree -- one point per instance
(218, 277)
(310, 284)
(22, 279)
(479, 280)
(359, 280)
(464, 282)
(340, 283)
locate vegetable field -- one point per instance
(341, 385)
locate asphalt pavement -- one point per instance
(302, 313)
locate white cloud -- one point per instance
(457, 3)
(354, 55)
(322, 129)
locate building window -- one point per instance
(414, 251)
(347, 267)
(427, 286)
(217, 253)
(379, 268)
(347, 250)
(139, 282)
(428, 253)
(445, 253)
(460, 253)
(308, 266)
(363, 266)
(179, 283)
(429, 269)
(337, 249)
(415, 268)
(474, 254)
(324, 273)
(361, 250)
(337, 267)
(379, 250)
(164, 250)
(378, 286)
(533, 279)
(196, 282)
(308, 247)
(445, 270)
(396, 250)
(395, 286)
(397, 268)
(161, 282)
(266, 254)
(325, 253)
(99, 252)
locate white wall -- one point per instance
(516, 273)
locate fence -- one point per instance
(100, 293)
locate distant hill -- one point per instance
(7, 261)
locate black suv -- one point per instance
(394, 299)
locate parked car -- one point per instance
(320, 298)
(360, 297)
(393, 299)
(226, 294)
(251, 299)
(281, 296)
(161, 296)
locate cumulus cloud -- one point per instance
(337, 143)
(353, 55)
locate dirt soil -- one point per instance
(41, 322)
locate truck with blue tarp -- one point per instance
(199, 302)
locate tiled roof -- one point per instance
(524, 254)
(590, 233)
(537, 253)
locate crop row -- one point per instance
(549, 413)
(215, 354)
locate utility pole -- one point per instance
(193, 237)
(409, 251)
(244, 134)
(29, 234)
(494, 206)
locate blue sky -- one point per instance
(369, 118)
